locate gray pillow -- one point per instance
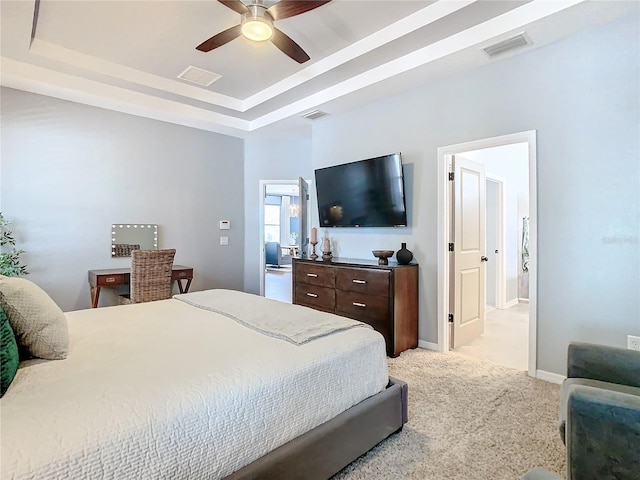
(39, 325)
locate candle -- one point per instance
(314, 235)
(326, 245)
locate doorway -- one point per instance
(504, 243)
(280, 237)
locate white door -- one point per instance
(303, 189)
(469, 251)
(492, 219)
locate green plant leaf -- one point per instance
(10, 264)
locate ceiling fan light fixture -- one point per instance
(257, 30)
(257, 24)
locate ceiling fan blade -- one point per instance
(220, 39)
(235, 5)
(289, 8)
(288, 46)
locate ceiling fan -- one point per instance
(257, 24)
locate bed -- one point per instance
(192, 387)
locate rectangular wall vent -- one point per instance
(313, 114)
(512, 43)
(199, 76)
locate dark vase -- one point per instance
(404, 256)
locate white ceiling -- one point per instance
(126, 55)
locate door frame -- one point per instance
(445, 225)
(263, 192)
(501, 266)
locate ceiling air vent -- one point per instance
(518, 41)
(313, 114)
(199, 76)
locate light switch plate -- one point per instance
(224, 240)
(225, 224)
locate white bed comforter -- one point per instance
(293, 323)
(165, 390)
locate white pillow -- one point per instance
(39, 325)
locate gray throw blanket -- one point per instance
(293, 323)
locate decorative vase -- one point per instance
(404, 256)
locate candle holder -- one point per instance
(313, 255)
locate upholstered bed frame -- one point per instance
(81, 436)
(328, 448)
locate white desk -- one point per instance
(290, 250)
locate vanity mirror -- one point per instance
(126, 237)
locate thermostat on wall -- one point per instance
(225, 224)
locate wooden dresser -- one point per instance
(384, 296)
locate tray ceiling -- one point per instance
(127, 55)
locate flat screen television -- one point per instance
(366, 193)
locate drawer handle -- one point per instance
(357, 304)
(110, 279)
(312, 295)
(314, 275)
(359, 281)
(182, 274)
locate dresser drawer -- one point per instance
(368, 281)
(106, 280)
(363, 306)
(315, 275)
(322, 298)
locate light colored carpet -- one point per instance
(468, 419)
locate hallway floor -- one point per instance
(505, 340)
(277, 283)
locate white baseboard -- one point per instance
(523, 300)
(511, 303)
(429, 345)
(488, 308)
(550, 377)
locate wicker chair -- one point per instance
(150, 276)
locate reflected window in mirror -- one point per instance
(126, 237)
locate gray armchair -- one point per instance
(600, 414)
(273, 254)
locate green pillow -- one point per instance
(8, 352)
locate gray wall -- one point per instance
(69, 171)
(269, 159)
(581, 95)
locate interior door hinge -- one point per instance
(451, 247)
(307, 196)
(451, 176)
(451, 318)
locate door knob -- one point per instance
(484, 259)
